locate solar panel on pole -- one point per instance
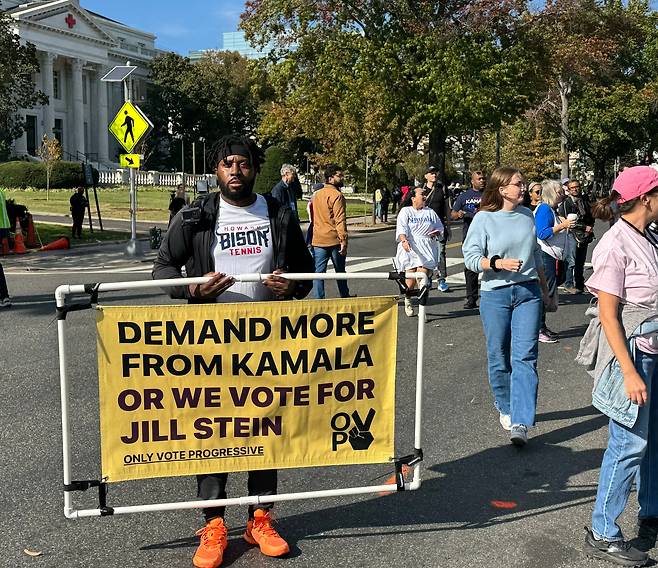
(118, 73)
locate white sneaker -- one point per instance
(506, 421)
(408, 308)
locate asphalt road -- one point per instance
(452, 521)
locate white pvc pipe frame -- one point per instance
(67, 289)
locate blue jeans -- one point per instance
(570, 262)
(632, 453)
(322, 255)
(510, 317)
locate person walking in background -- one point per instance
(465, 207)
(532, 198)
(285, 191)
(396, 196)
(383, 210)
(79, 204)
(330, 230)
(502, 245)
(625, 367)
(378, 204)
(552, 235)
(417, 232)
(576, 205)
(438, 200)
(179, 199)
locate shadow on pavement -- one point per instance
(498, 485)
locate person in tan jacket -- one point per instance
(330, 229)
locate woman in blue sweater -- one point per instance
(502, 244)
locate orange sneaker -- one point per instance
(212, 546)
(261, 532)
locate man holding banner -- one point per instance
(235, 231)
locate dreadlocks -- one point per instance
(234, 144)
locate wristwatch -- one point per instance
(492, 263)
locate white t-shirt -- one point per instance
(243, 244)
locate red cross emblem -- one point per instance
(70, 21)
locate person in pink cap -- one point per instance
(620, 348)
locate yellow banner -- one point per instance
(213, 388)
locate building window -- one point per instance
(31, 134)
(58, 131)
(56, 93)
(84, 89)
(86, 137)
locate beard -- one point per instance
(236, 194)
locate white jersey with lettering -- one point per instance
(243, 244)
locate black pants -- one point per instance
(579, 265)
(78, 219)
(213, 486)
(4, 292)
(472, 291)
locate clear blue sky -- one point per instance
(180, 26)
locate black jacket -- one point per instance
(585, 218)
(190, 244)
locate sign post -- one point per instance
(129, 126)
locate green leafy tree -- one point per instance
(18, 64)
(217, 95)
(380, 78)
(270, 172)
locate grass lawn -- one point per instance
(49, 233)
(152, 204)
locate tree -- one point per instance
(377, 78)
(18, 64)
(50, 153)
(270, 173)
(217, 95)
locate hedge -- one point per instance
(270, 171)
(33, 174)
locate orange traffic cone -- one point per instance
(62, 243)
(19, 245)
(31, 239)
(5, 246)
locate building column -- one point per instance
(20, 143)
(78, 110)
(103, 150)
(47, 84)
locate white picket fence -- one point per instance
(122, 176)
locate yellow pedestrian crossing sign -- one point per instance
(129, 160)
(129, 125)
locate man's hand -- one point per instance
(217, 284)
(281, 287)
(342, 251)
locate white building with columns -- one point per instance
(76, 48)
